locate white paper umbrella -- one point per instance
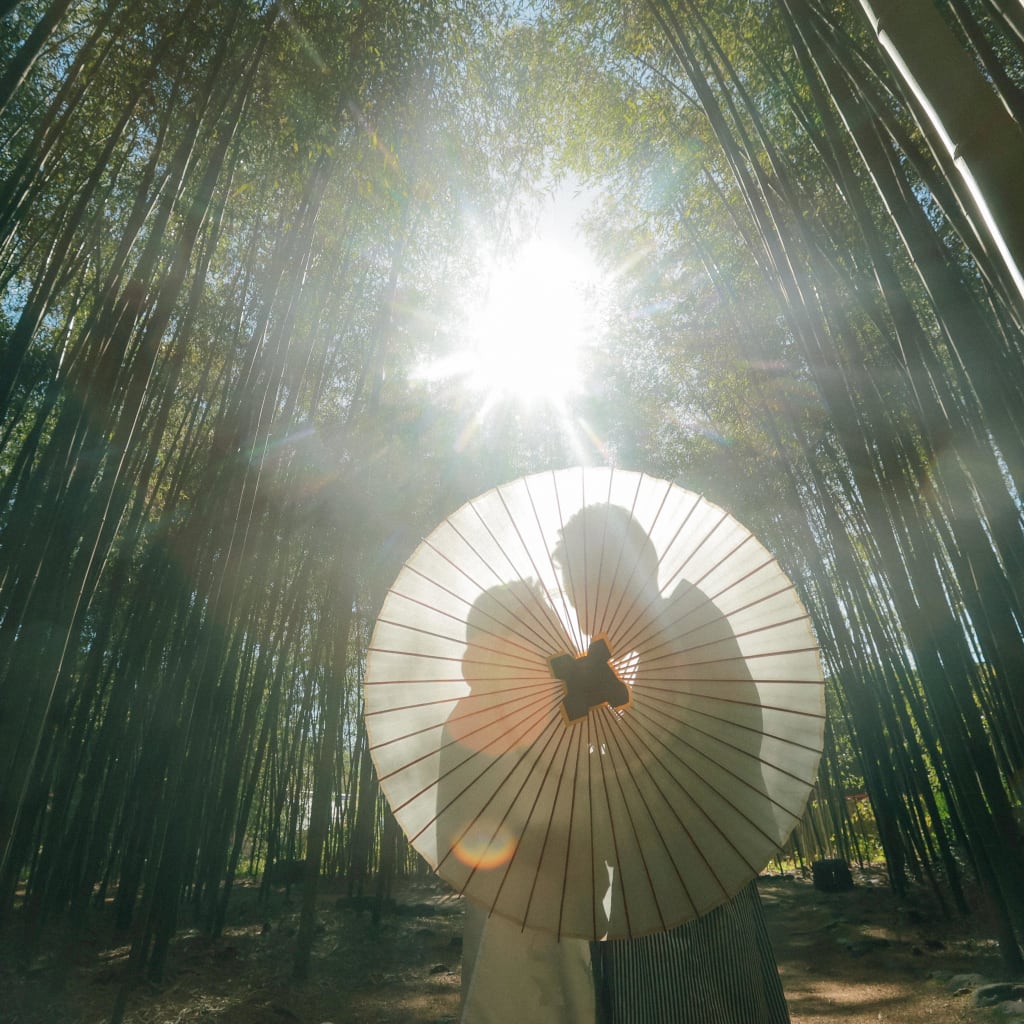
(595, 703)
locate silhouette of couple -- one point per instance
(641, 651)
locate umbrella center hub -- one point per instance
(590, 681)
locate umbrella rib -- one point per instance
(699, 807)
(745, 539)
(519, 706)
(689, 558)
(553, 637)
(504, 636)
(423, 631)
(576, 639)
(696, 582)
(402, 682)
(586, 564)
(423, 656)
(591, 748)
(540, 705)
(645, 612)
(768, 563)
(436, 784)
(412, 707)
(732, 635)
(739, 750)
(481, 587)
(591, 803)
(460, 619)
(571, 615)
(492, 762)
(552, 732)
(631, 731)
(665, 664)
(776, 625)
(641, 628)
(620, 611)
(458, 597)
(654, 523)
(597, 620)
(458, 568)
(419, 656)
(558, 639)
(615, 838)
(447, 744)
(547, 830)
(577, 734)
(781, 708)
(605, 623)
(690, 708)
(721, 796)
(681, 615)
(633, 824)
(652, 818)
(528, 663)
(571, 576)
(682, 525)
(429, 682)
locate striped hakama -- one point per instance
(719, 969)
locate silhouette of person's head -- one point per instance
(608, 565)
(502, 625)
(510, 633)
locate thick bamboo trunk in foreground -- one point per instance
(983, 140)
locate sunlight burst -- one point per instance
(526, 333)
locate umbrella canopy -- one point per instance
(595, 703)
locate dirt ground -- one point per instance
(845, 958)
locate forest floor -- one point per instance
(850, 958)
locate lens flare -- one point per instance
(485, 848)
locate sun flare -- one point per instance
(528, 334)
(526, 331)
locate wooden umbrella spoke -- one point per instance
(489, 764)
(670, 706)
(553, 736)
(539, 645)
(636, 757)
(564, 742)
(675, 752)
(685, 725)
(680, 616)
(605, 743)
(542, 701)
(547, 630)
(615, 737)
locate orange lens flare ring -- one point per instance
(484, 849)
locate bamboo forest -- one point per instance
(285, 283)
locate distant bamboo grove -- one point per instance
(230, 231)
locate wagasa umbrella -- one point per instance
(594, 702)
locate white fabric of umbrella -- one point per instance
(595, 703)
